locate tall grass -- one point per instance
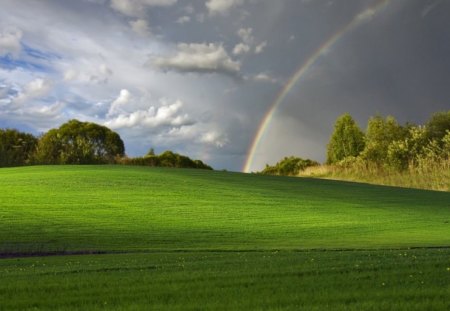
(426, 174)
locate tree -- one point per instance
(347, 140)
(404, 152)
(78, 142)
(379, 135)
(16, 148)
(437, 126)
(151, 152)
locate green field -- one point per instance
(194, 239)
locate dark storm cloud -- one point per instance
(395, 64)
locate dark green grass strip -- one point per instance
(280, 280)
(9, 255)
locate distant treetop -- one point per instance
(78, 142)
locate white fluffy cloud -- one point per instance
(137, 8)
(241, 48)
(29, 106)
(123, 99)
(10, 42)
(35, 89)
(169, 115)
(202, 58)
(214, 138)
(141, 27)
(222, 6)
(248, 43)
(99, 74)
(200, 134)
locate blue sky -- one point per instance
(198, 76)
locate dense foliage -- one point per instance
(289, 166)
(347, 140)
(387, 153)
(165, 159)
(390, 145)
(16, 148)
(78, 142)
(399, 155)
(380, 134)
(438, 126)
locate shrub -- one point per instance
(289, 166)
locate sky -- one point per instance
(236, 83)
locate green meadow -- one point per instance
(132, 238)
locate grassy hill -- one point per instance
(218, 240)
(114, 208)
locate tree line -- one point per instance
(384, 145)
(76, 142)
(388, 144)
(165, 159)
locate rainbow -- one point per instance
(359, 19)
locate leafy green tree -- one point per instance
(399, 155)
(78, 142)
(437, 126)
(404, 152)
(347, 140)
(16, 148)
(379, 135)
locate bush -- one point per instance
(166, 159)
(289, 166)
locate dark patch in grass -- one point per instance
(119, 269)
(11, 255)
(6, 255)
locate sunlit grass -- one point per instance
(192, 239)
(115, 208)
(431, 175)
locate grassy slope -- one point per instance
(203, 213)
(115, 208)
